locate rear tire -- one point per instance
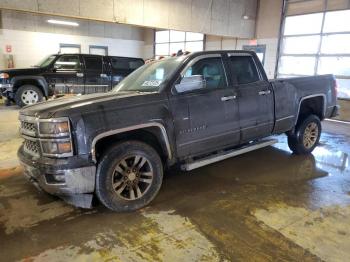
(306, 137)
(28, 95)
(129, 176)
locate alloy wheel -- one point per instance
(310, 135)
(132, 177)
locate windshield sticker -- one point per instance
(152, 83)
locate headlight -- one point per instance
(54, 128)
(63, 148)
(55, 137)
(4, 75)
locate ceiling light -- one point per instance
(60, 22)
(245, 17)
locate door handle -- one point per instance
(227, 98)
(262, 93)
(103, 75)
(80, 74)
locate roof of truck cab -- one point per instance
(98, 55)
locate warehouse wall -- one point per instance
(32, 38)
(217, 17)
(267, 31)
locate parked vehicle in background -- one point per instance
(191, 110)
(65, 74)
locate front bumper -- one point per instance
(6, 89)
(67, 179)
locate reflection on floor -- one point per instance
(264, 205)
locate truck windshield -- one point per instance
(149, 78)
(46, 61)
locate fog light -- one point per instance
(55, 178)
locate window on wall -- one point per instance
(69, 49)
(315, 44)
(170, 41)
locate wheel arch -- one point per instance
(37, 81)
(312, 104)
(153, 134)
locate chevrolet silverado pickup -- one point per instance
(190, 110)
(65, 74)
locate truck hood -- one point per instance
(22, 71)
(74, 105)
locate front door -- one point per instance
(97, 80)
(205, 119)
(255, 98)
(66, 75)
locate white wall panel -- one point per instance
(29, 47)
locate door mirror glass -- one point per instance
(190, 83)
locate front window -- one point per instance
(68, 62)
(212, 71)
(46, 61)
(150, 77)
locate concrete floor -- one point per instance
(265, 205)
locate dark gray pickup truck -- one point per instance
(190, 110)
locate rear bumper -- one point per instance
(67, 181)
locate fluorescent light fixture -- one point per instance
(246, 17)
(60, 22)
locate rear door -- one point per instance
(205, 119)
(123, 66)
(96, 79)
(255, 97)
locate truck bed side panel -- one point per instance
(289, 93)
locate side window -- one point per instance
(93, 63)
(121, 63)
(67, 62)
(212, 71)
(243, 67)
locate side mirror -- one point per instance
(190, 83)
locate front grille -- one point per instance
(28, 126)
(31, 147)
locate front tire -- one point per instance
(306, 137)
(28, 95)
(129, 176)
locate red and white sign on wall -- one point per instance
(8, 48)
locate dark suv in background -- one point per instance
(65, 74)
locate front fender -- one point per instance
(39, 80)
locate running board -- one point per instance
(227, 154)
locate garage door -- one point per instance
(317, 43)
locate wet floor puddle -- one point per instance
(324, 232)
(167, 237)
